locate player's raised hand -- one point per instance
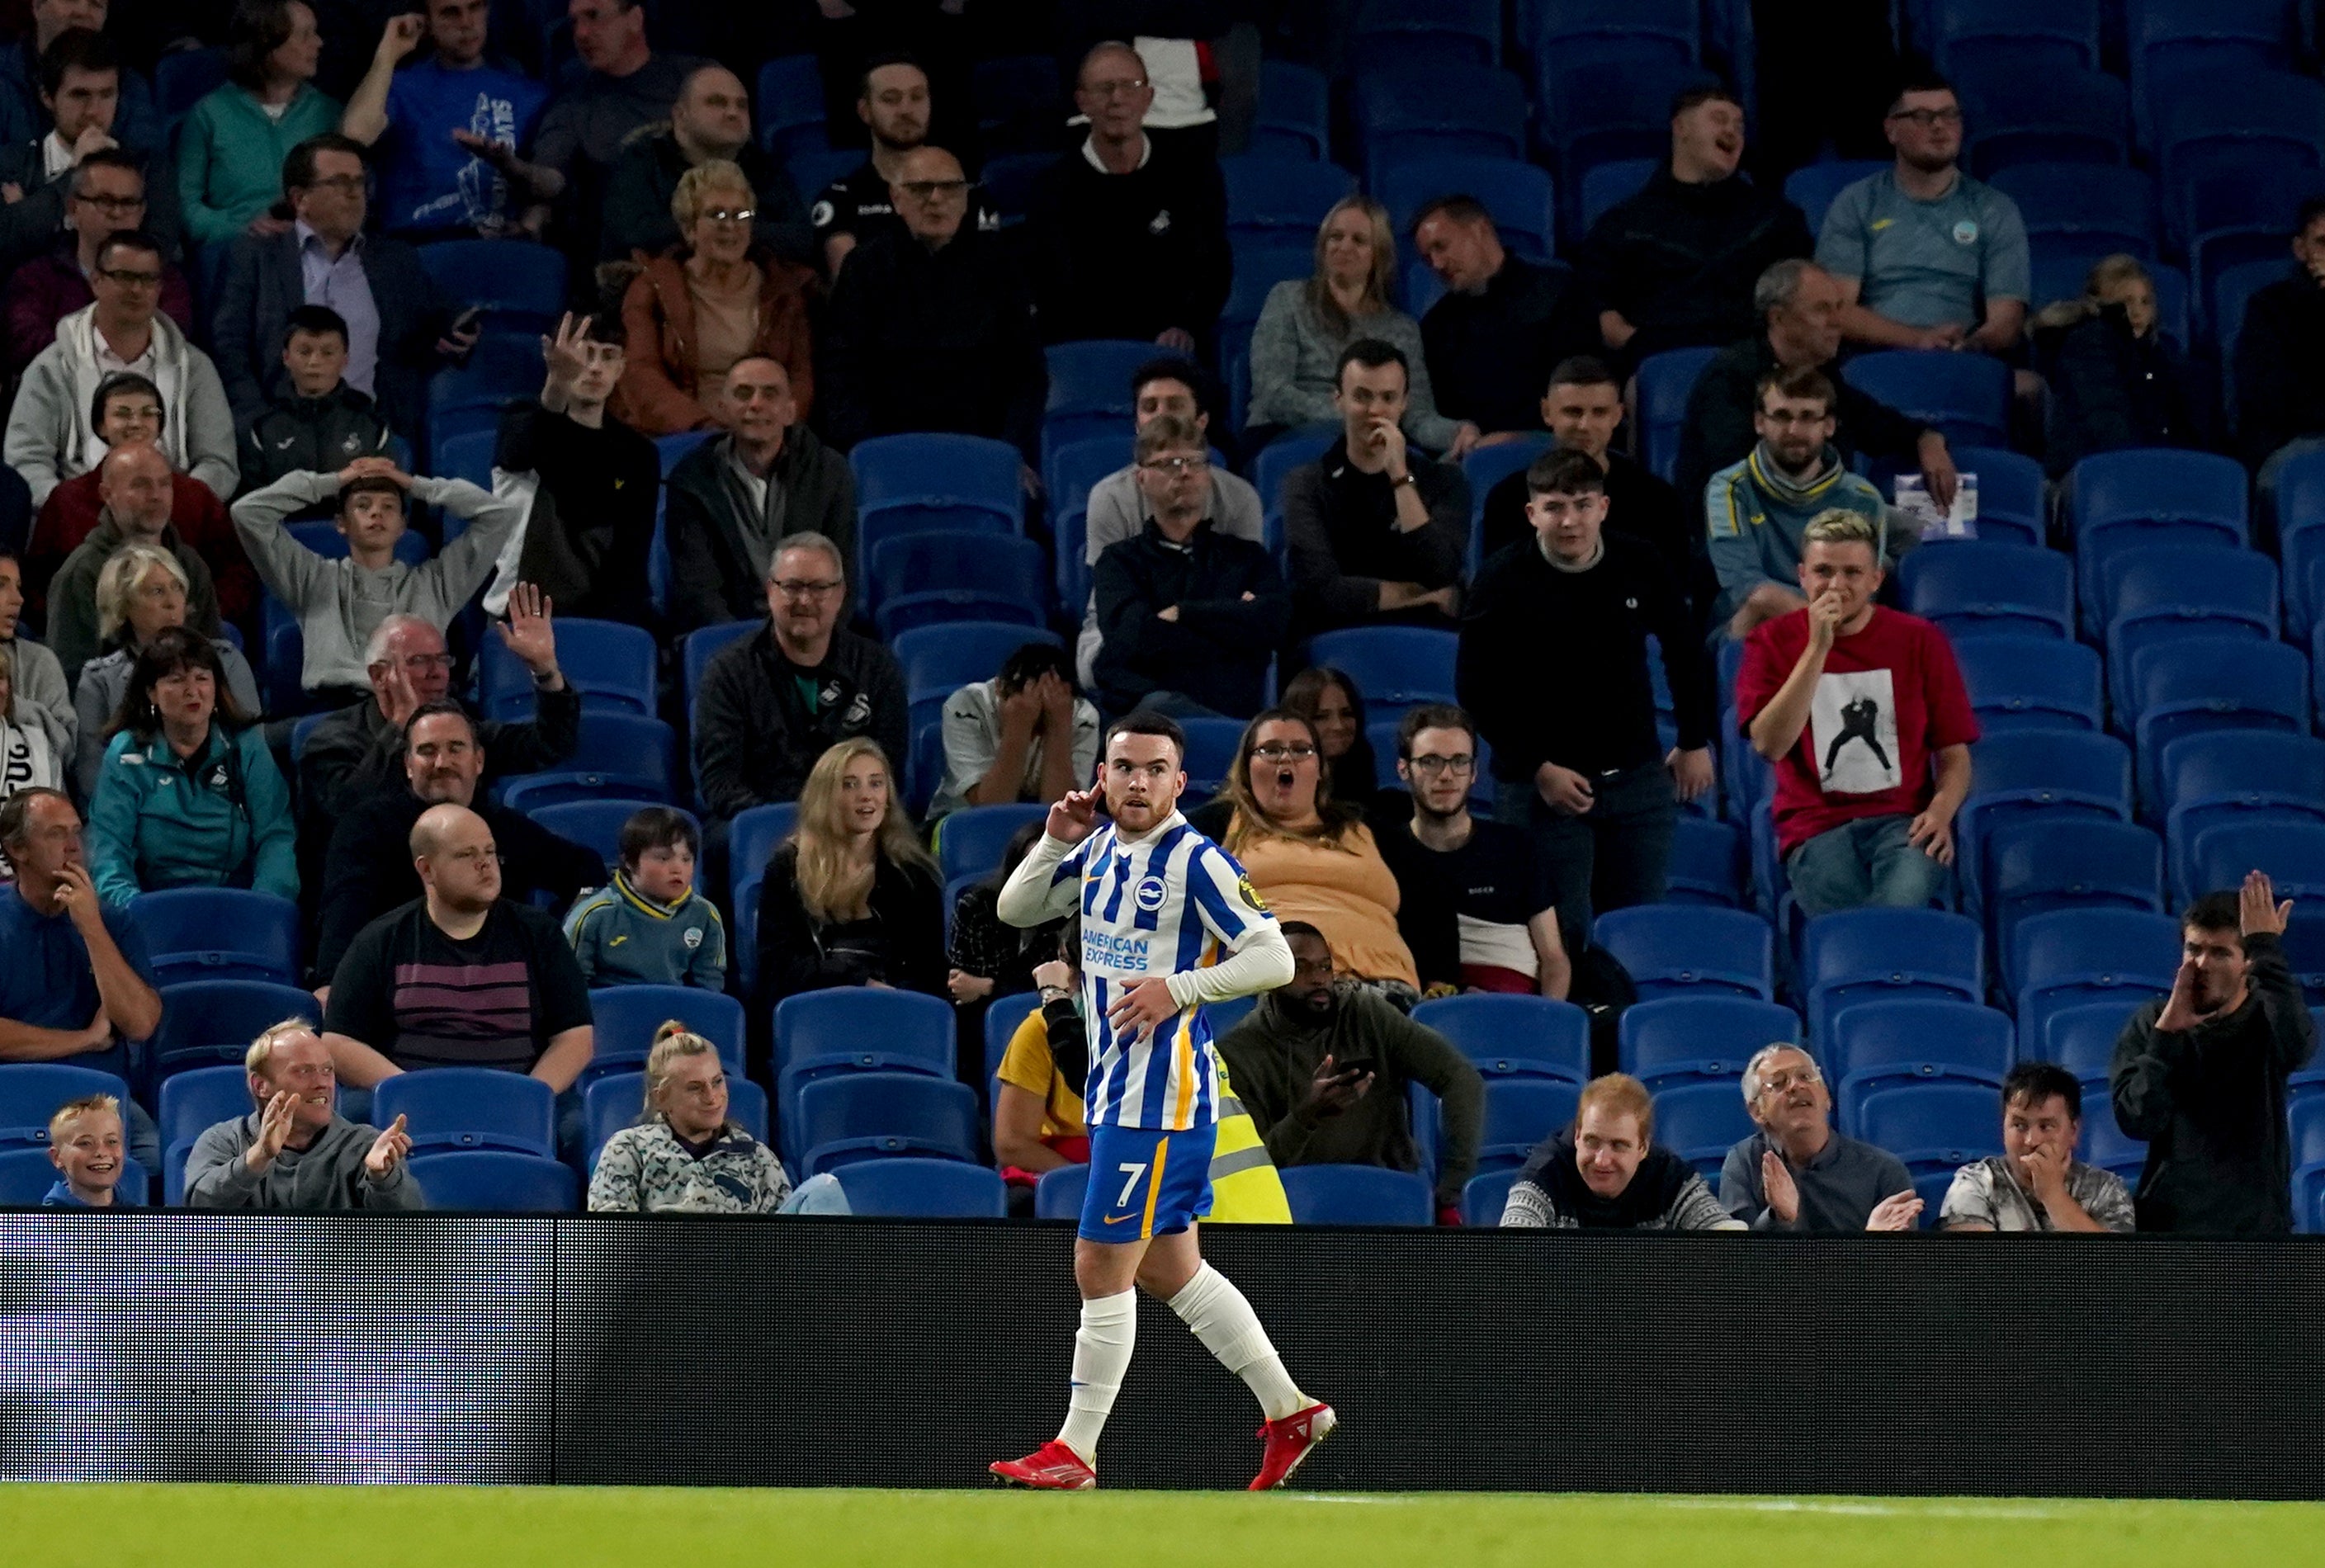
(2258, 906)
(1074, 817)
(1145, 1006)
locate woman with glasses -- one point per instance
(231, 147)
(1295, 349)
(187, 795)
(715, 298)
(142, 592)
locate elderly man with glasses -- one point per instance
(1796, 1174)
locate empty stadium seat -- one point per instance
(1293, 118)
(496, 1181)
(1090, 391)
(1973, 587)
(790, 105)
(1673, 1040)
(2167, 37)
(1707, 863)
(1397, 668)
(184, 77)
(916, 484)
(2013, 496)
(1863, 955)
(752, 840)
(2051, 33)
(1211, 747)
(1484, 1196)
(928, 579)
(697, 647)
(218, 934)
(1812, 187)
(207, 1022)
(1576, 29)
(1397, 32)
(612, 665)
(2305, 1119)
(1876, 1046)
(618, 1100)
(621, 756)
(2069, 117)
(2072, 957)
(626, 1017)
(2037, 865)
(520, 287)
(2153, 497)
(2106, 1145)
(973, 839)
(1934, 1127)
(2096, 209)
(1426, 110)
(2034, 776)
(1276, 198)
(1357, 1195)
(922, 1189)
(2292, 853)
(2205, 684)
(1505, 1036)
(27, 1175)
(2157, 593)
(1059, 1194)
(1665, 382)
(868, 1116)
(31, 1091)
(1519, 1114)
(853, 1030)
(1966, 396)
(1614, 107)
(2233, 777)
(2030, 683)
(1701, 1121)
(1004, 1016)
(1675, 950)
(1517, 193)
(2081, 1039)
(470, 1107)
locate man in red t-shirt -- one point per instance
(1863, 712)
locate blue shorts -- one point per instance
(1144, 1183)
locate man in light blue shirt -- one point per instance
(430, 121)
(1926, 256)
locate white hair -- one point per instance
(375, 650)
(1753, 1068)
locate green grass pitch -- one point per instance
(568, 1527)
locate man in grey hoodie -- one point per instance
(295, 1151)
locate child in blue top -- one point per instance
(650, 927)
(87, 1145)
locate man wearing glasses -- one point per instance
(893, 102)
(1796, 1174)
(710, 120)
(398, 329)
(104, 195)
(1128, 236)
(1926, 256)
(78, 81)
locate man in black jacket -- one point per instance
(2280, 392)
(1553, 667)
(1799, 305)
(319, 424)
(712, 119)
(933, 328)
(734, 499)
(1503, 322)
(80, 80)
(1187, 616)
(1128, 236)
(1672, 266)
(772, 702)
(2201, 1075)
(370, 868)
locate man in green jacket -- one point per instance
(1323, 1069)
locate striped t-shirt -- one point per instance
(421, 1000)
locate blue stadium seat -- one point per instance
(1396, 668)
(972, 839)
(2239, 206)
(1279, 198)
(503, 367)
(1677, 1039)
(2054, 35)
(700, 645)
(2166, 38)
(2223, 306)
(496, 1181)
(1701, 1121)
(1880, 1046)
(2158, 593)
(1259, 266)
(669, 449)
(470, 1107)
(2081, 1039)
(1864, 955)
(594, 824)
(2020, 684)
(1812, 187)
(207, 1022)
(1966, 396)
(31, 1091)
(1019, 99)
(914, 483)
(1603, 185)
(1398, 33)
(1519, 1114)
(1707, 863)
(1444, 110)
(2039, 864)
(2153, 497)
(2199, 121)
(2096, 209)
(2076, 956)
(791, 108)
(2203, 684)
(2013, 497)
(1089, 390)
(867, 1115)
(921, 1189)
(190, 1104)
(847, 1032)
(1666, 381)
(1612, 107)
(752, 840)
(626, 1017)
(611, 664)
(618, 1100)
(1517, 193)
(625, 755)
(27, 1174)
(2301, 540)
(469, 456)
(1486, 467)
(1974, 589)
(939, 660)
(1211, 747)
(1357, 1195)
(218, 934)
(2106, 1145)
(1294, 114)
(1293, 449)
(1484, 1196)
(1513, 1035)
(2236, 775)
(2018, 117)
(928, 579)
(1577, 29)
(1003, 1017)
(520, 286)
(2036, 776)
(1936, 1128)
(1673, 949)
(2292, 853)
(2305, 1119)
(1059, 1194)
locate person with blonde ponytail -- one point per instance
(685, 1154)
(851, 898)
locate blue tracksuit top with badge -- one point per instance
(623, 938)
(220, 818)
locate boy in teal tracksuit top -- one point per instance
(650, 927)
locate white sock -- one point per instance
(1223, 1319)
(1102, 1348)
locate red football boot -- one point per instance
(1051, 1468)
(1291, 1441)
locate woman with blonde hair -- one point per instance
(715, 298)
(1306, 322)
(851, 898)
(142, 592)
(2117, 379)
(683, 1153)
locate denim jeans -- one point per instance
(1615, 855)
(1868, 862)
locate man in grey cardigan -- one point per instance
(340, 603)
(295, 1152)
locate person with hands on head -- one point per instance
(295, 1152)
(1863, 712)
(2036, 1183)
(1796, 1174)
(2201, 1075)
(1025, 734)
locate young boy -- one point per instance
(650, 928)
(85, 1144)
(325, 423)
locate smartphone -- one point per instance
(467, 319)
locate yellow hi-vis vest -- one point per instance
(1244, 1188)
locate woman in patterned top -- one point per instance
(685, 1155)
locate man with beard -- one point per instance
(1323, 1069)
(2201, 1075)
(893, 102)
(371, 869)
(1796, 1174)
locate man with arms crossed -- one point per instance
(1147, 885)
